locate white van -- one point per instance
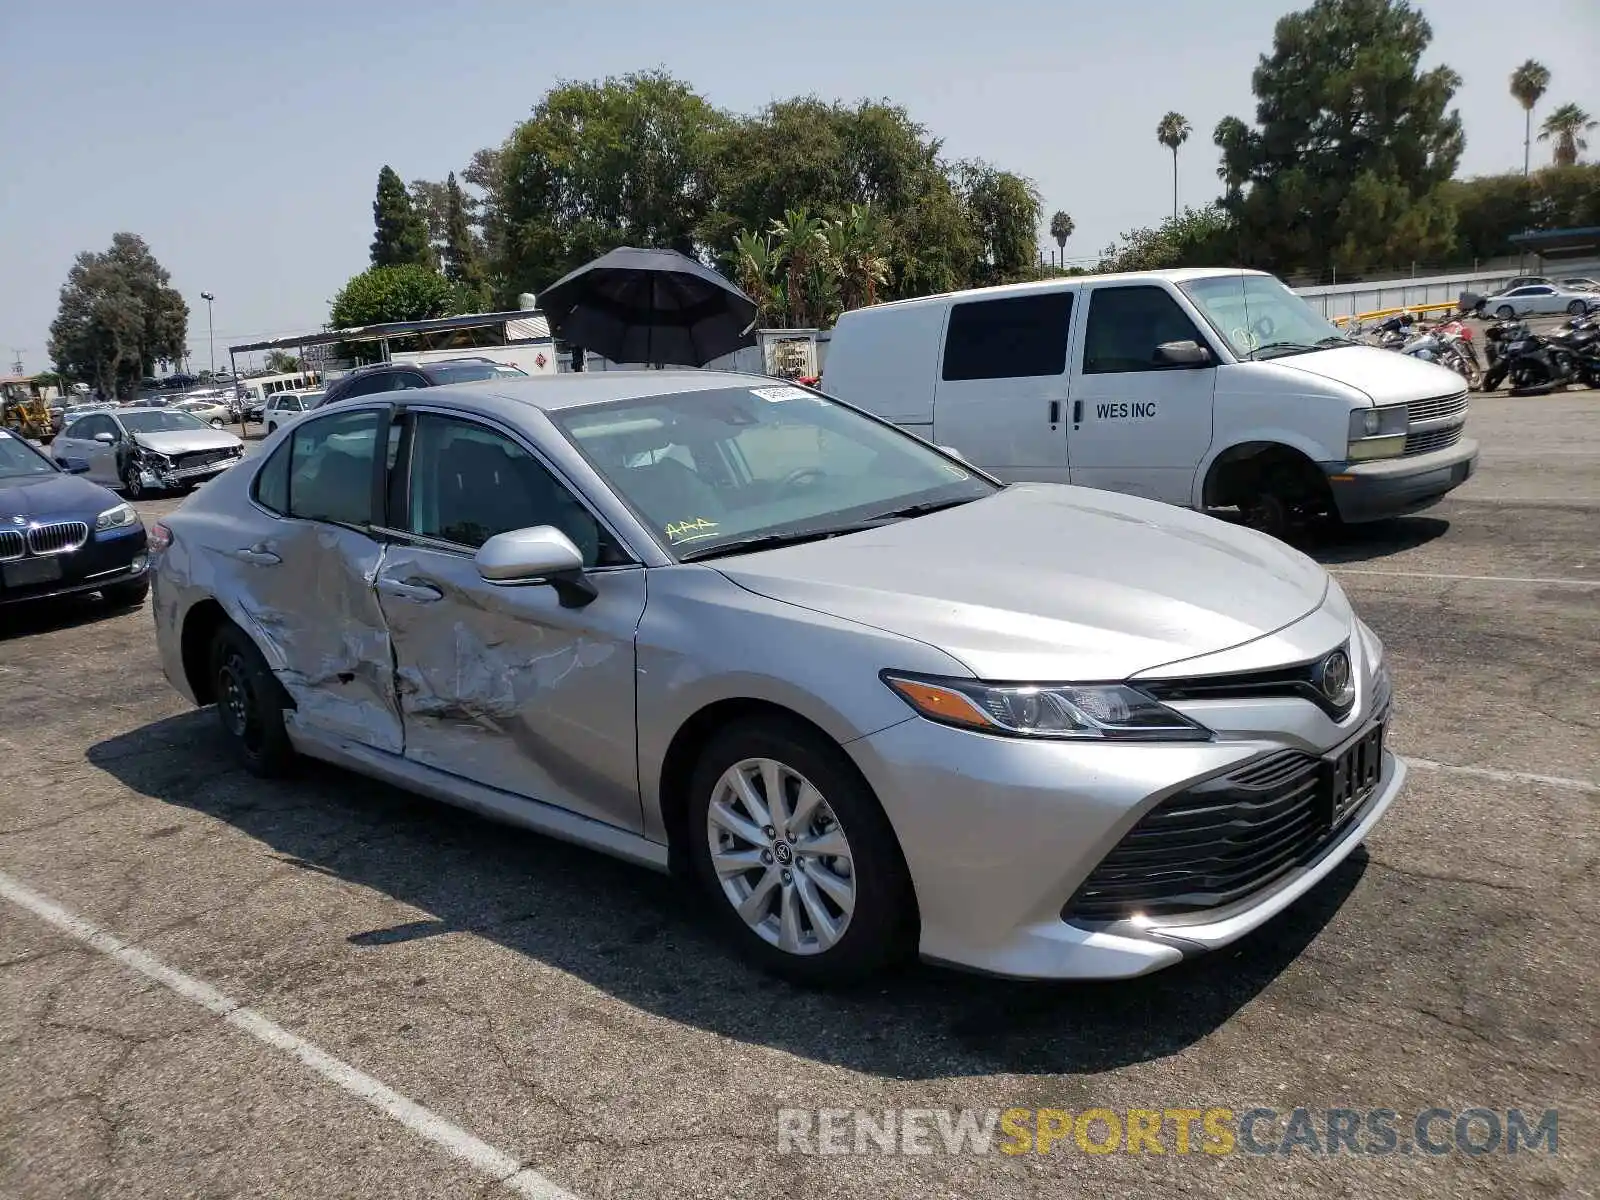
(1208, 388)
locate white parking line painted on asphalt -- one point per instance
(1338, 570)
(1582, 785)
(487, 1159)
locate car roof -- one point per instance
(583, 389)
(1061, 282)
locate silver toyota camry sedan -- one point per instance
(875, 702)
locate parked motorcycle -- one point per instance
(1530, 363)
(1579, 338)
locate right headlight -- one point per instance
(1093, 712)
(1378, 432)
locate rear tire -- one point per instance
(1505, 312)
(829, 894)
(250, 704)
(1577, 308)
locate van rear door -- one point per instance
(1001, 394)
(1139, 425)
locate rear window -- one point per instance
(1012, 338)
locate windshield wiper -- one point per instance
(1282, 347)
(918, 510)
(767, 541)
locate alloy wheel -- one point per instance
(781, 856)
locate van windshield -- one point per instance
(730, 469)
(1261, 318)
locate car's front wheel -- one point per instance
(1505, 312)
(801, 864)
(129, 594)
(216, 422)
(250, 704)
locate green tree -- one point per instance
(408, 292)
(430, 200)
(1061, 228)
(856, 244)
(1529, 82)
(119, 316)
(1566, 126)
(1490, 209)
(402, 232)
(1004, 211)
(1355, 144)
(1204, 237)
(601, 165)
(281, 362)
(463, 261)
(1173, 131)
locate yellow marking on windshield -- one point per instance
(688, 531)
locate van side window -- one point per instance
(1125, 326)
(1013, 338)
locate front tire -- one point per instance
(130, 594)
(216, 422)
(250, 704)
(132, 484)
(800, 863)
(1577, 308)
(1505, 312)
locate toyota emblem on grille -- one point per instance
(1333, 677)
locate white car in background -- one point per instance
(284, 407)
(1537, 300)
(210, 406)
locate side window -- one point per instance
(381, 381)
(468, 483)
(408, 379)
(1014, 338)
(1125, 326)
(270, 488)
(330, 468)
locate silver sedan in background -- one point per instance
(875, 702)
(1538, 299)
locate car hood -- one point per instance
(183, 441)
(1383, 375)
(53, 496)
(1049, 582)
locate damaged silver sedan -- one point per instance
(874, 701)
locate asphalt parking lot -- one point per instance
(548, 1012)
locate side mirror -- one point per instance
(107, 439)
(1187, 353)
(538, 554)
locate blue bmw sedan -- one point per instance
(60, 534)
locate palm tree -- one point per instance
(1172, 133)
(1061, 228)
(1528, 83)
(1567, 125)
(855, 256)
(802, 246)
(755, 264)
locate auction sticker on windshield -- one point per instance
(775, 395)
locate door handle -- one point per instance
(259, 555)
(421, 593)
(1055, 412)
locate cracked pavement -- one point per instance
(579, 1015)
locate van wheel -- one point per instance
(1286, 501)
(798, 859)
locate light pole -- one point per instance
(211, 331)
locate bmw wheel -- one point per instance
(801, 863)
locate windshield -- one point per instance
(469, 372)
(1261, 318)
(158, 420)
(710, 469)
(17, 458)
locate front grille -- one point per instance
(1210, 845)
(1426, 440)
(199, 458)
(1298, 681)
(61, 537)
(1435, 407)
(12, 544)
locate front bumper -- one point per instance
(999, 834)
(1391, 487)
(171, 479)
(108, 558)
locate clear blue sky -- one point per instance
(243, 141)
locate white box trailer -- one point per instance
(536, 358)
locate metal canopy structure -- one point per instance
(391, 329)
(1558, 243)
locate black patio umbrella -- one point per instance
(649, 306)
